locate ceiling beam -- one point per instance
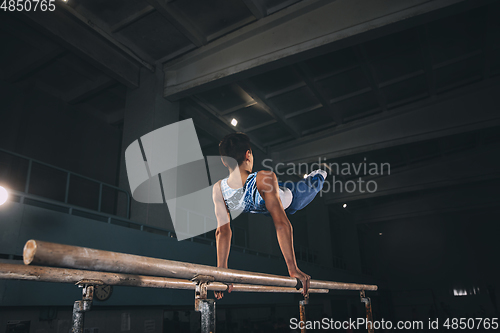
(263, 124)
(425, 49)
(85, 43)
(30, 63)
(281, 5)
(350, 95)
(319, 128)
(306, 75)
(203, 121)
(111, 119)
(26, 64)
(180, 22)
(369, 72)
(230, 28)
(401, 78)
(18, 29)
(237, 107)
(285, 90)
(461, 168)
(257, 7)
(213, 111)
(457, 59)
(305, 110)
(334, 72)
(487, 42)
(102, 29)
(465, 109)
(319, 27)
(88, 90)
(251, 90)
(132, 19)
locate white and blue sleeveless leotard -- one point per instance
(246, 199)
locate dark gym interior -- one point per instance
(400, 99)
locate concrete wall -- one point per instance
(145, 111)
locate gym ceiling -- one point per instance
(410, 83)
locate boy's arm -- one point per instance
(267, 185)
(223, 232)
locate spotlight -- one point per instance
(344, 205)
(305, 175)
(380, 234)
(3, 195)
(234, 122)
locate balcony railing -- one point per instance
(31, 176)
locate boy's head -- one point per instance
(236, 146)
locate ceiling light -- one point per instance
(234, 122)
(380, 234)
(344, 205)
(3, 195)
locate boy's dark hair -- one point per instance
(234, 145)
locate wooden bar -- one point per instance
(52, 254)
(65, 275)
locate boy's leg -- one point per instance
(305, 190)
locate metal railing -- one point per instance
(42, 202)
(68, 173)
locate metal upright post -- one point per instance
(100, 198)
(28, 177)
(66, 192)
(302, 309)
(80, 307)
(368, 307)
(204, 305)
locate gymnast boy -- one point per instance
(261, 193)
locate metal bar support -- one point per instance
(302, 310)
(368, 307)
(204, 305)
(80, 307)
